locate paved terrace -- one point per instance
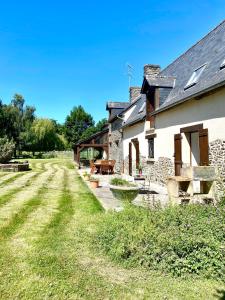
(109, 202)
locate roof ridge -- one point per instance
(210, 32)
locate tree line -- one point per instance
(20, 127)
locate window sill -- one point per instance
(150, 160)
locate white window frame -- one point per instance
(195, 77)
(222, 66)
(142, 108)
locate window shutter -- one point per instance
(204, 147)
(177, 153)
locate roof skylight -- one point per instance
(142, 108)
(222, 66)
(195, 77)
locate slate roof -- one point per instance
(136, 116)
(110, 105)
(116, 108)
(210, 50)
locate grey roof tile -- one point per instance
(210, 50)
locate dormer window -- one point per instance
(222, 66)
(195, 77)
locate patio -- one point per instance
(157, 195)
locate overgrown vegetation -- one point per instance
(178, 240)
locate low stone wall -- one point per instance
(14, 167)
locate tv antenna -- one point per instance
(130, 70)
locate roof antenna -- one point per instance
(130, 70)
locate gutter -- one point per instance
(197, 94)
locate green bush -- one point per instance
(179, 240)
(121, 182)
(6, 150)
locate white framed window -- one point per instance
(142, 107)
(195, 77)
(151, 148)
(222, 66)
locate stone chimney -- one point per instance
(134, 93)
(151, 70)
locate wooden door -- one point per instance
(130, 159)
(204, 147)
(177, 153)
(137, 155)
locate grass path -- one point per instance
(45, 253)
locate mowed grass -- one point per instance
(46, 220)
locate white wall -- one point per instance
(209, 110)
(135, 131)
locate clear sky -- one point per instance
(59, 54)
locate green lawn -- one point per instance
(46, 218)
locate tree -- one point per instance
(101, 124)
(6, 150)
(76, 123)
(43, 136)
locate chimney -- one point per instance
(134, 93)
(151, 70)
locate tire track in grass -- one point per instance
(12, 190)
(53, 233)
(7, 196)
(10, 178)
(23, 196)
(41, 217)
(18, 182)
(20, 216)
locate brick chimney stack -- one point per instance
(134, 93)
(151, 70)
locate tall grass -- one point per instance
(179, 240)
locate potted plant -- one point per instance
(94, 182)
(123, 189)
(86, 176)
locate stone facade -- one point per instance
(157, 171)
(115, 144)
(217, 159)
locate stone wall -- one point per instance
(115, 145)
(217, 159)
(157, 171)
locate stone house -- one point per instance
(115, 133)
(179, 120)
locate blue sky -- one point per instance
(59, 54)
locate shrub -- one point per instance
(121, 182)
(6, 150)
(179, 240)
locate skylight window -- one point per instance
(142, 108)
(195, 77)
(222, 66)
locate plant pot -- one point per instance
(86, 177)
(124, 193)
(94, 184)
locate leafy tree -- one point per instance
(43, 136)
(76, 123)
(101, 124)
(94, 129)
(6, 150)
